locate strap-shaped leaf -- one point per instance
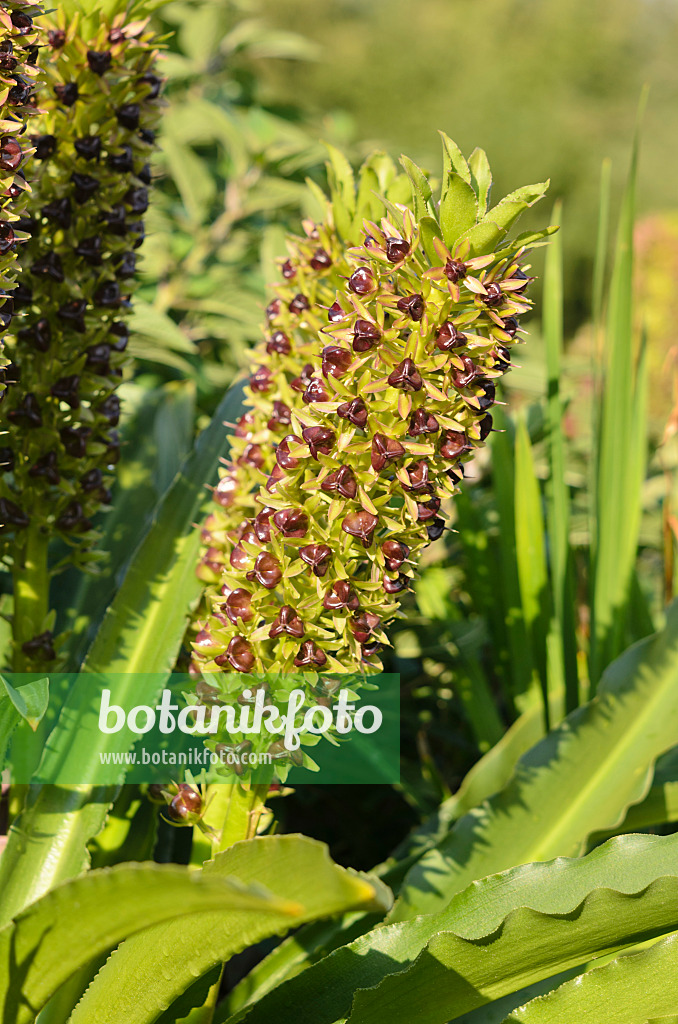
(82, 919)
(625, 991)
(579, 779)
(497, 936)
(150, 971)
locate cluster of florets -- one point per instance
(371, 389)
(101, 105)
(19, 50)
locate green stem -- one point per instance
(233, 813)
(31, 594)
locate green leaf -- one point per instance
(531, 552)
(547, 929)
(152, 323)
(141, 633)
(342, 190)
(623, 992)
(562, 637)
(429, 229)
(580, 779)
(481, 177)
(156, 440)
(192, 177)
(453, 159)
(29, 700)
(368, 205)
(148, 972)
(458, 208)
(620, 466)
(421, 188)
(508, 210)
(92, 914)
(522, 680)
(495, 937)
(483, 237)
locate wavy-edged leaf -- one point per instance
(625, 991)
(487, 776)
(495, 937)
(83, 918)
(150, 971)
(580, 779)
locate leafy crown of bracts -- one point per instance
(372, 386)
(99, 110)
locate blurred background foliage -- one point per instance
(549, 90)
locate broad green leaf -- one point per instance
(141, 633)
(625, 991)
(579, 779)
(78, 921)
(421, 188)
(148, 972)
(458, 208)
(453, 159)
(481, 177)
(495, 937)
(483, 237)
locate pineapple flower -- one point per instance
(19, 38)
(92, 147)
(373, 385)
